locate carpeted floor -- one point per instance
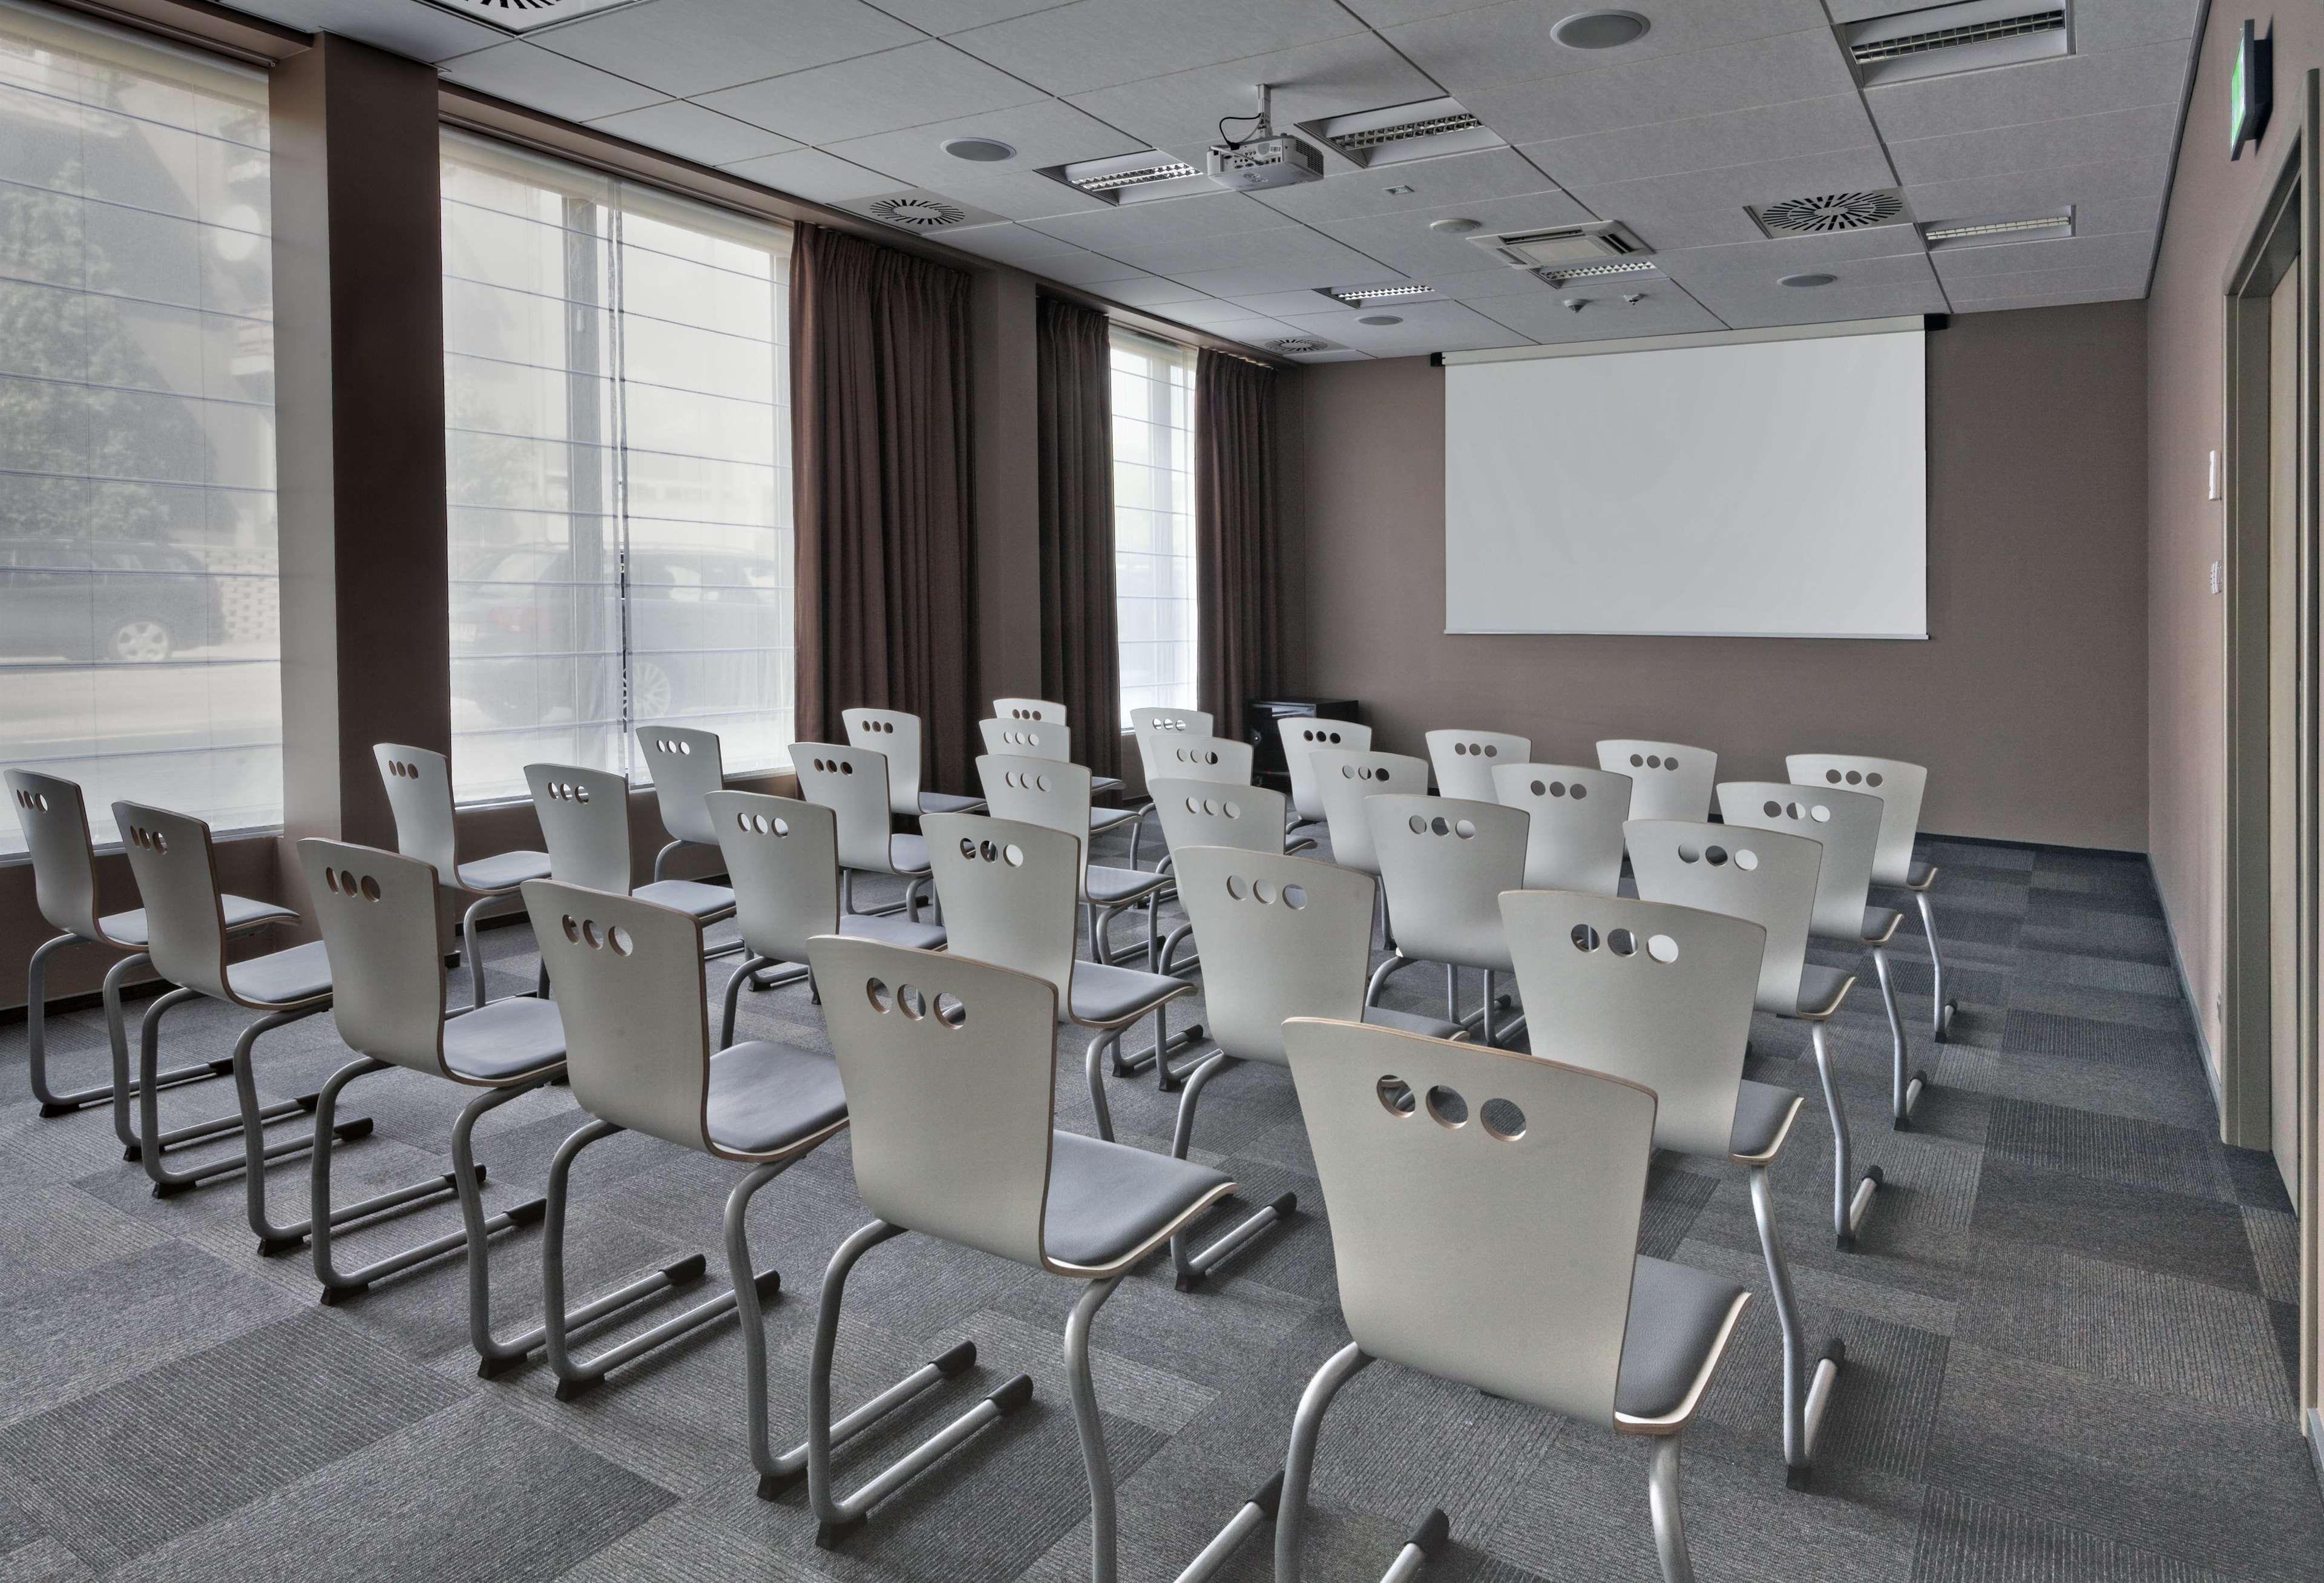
(2070, 1327)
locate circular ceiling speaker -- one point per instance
(1383, 318)
(920, 213)
(1812, 279)
(1456, 227)
(1599, 30)
(984, 150)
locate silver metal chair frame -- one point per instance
(1902, 787)
(1444, 864)
(419, 784)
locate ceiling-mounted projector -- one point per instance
(1263, 158)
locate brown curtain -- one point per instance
(1235, 535)
(1081, 655)
(880, 482)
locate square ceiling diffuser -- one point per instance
(528, 16)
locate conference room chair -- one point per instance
(1154, 728)
(1668, 780)
(1464, 761)
(1203, 813)
(384, 939)
(1344, 779)
(55, 821)
(1444, 864)
(176, 868)
(950, 1068)
(782, 858)
(1221, 760)
(1574, 841)
(1041, 712)
(852, 782)
(1303, 735)
(685, 766)
(629, 975)
(1056, 793)
(585, 820)
(1901, 787)
(419, 784)
(1768, 878)
(897, 737)
(1662, 996)
(1009, 892)
(1847, 823)
(1290, 936)
(1052, 740)
(1484, 1208)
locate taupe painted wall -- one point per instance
(2213, 203)
(2028, 702)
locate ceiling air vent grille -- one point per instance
(1295, 344)
(1562, 247)
(1947, 38)
(1970, 35)
(1633, 266)
(1361, 296)
(1348, 143)
(524, 16)
(915, 208)
(1835, 211)
(1138, 176)
(1133, 178)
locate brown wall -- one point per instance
(2028, 702)
(2213, 203)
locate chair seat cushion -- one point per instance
(949, 803)
(282, 978)
(1108, 997)
(128, 927)
(1880, 924)
(689, 896)
(1102, 819)
(1762, 1114)
(1411, 1022)
(503, 871)
(1107, 1200)
(908, 854)
(765, 1099)
(1676, 1313)
(1822, 989)
(1107, 886)
(1921, 875)
(505, 1040)
(893, 929)
(1101, 784)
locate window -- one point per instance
(138, 648)
(617, 386)
(1154, 521)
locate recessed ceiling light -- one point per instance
(1456, 227)
(984, 150)
(1812, 279)
(1598, 29)
(1382, 318)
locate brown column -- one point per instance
(1004, 393)
(359, 366)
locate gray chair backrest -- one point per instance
(1303, 735)
(1484, 1207)
(687, 766)
(949, 1066)
(419, 783)
(1344, 780)
(1281, 936)
(1668, 780)
(1444, 863)
(1009, 889)
(1762, 875)
(1054, 792)
(1901, 787)
(1035, 709)
(1658, 994)
(1027, 739)
(1155, 727)
(584, 823)
(55, 821)
(177, 879)
(896, 735)
(1221, 759)
(1848, 824)
(782, 859)
(1202, 813)
(1464, 761)
(852, 782)
(383, 925)
(627, 977)
(1574, 842)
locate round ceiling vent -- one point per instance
(1382, 318)
(1838, 211)
(1299, 344)
(1816, 278)
(984, 150)
(922, 214)
(1599, 30)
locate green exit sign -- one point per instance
(2251, 90)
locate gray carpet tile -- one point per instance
(2068, 1320)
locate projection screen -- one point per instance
(1773, 489)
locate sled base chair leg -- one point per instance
(1805, 1398)
(1905, 1089)
(1190, 1268)
(36, 1041)
(1299, 1467)
(1942, 1018)
(1851, 1196)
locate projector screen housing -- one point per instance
(1763, 484)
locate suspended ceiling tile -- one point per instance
(1015, 243)
(1709, 272)
(2053, 299)
(1604, 316)
(2114, 24)
(1736, 137)
(1965, 268)
(1293, 247)
(2148, 134)
(2039, 90)
(2127, 277)
(1511, 42)
(1090, 44)
(870, 94)
(1774, 70)
(1456, 179)
(528, 75)
(1702, 208)
(953, 16)
(418, 31)
(690, 47)
(814, 175)
(1422, 327)
(2029, 191)
(1336, 77)
(1406, 244)
(1149, 292)
(691, 133)
(1169, 221)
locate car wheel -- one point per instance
(138, 640)
(649, 691)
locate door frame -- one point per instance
(2286, 223)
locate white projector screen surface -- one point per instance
(1773, 489)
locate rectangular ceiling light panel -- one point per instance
(1364, 296)
(528, 16)
(1995, 229)
(1144, 177)
(1972, 36)
(1401, 133)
